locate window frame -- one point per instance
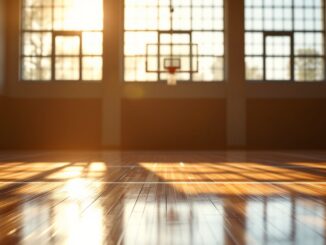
(293, 56)
(52, 56)
(56, 34)
(159, 31)
(265, 56)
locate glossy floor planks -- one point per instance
(163, 197)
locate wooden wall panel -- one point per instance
(286, 123)
(50, 123)
(2, 46)
(173, 124)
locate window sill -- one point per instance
(284, 82)
(68, 82)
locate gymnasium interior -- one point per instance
(163, 122)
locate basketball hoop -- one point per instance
(172, 78)
(172, 65)
(172, 69)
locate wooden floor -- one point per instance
(163, 197)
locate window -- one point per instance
(285, 40)
(193, 27)
(61, 40)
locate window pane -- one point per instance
(210, 69)
(254, 43)
(67, 45)
(209, 42)
(309, 43)
(67, 69)
(92, 43)
(135, 42)
(254, 68)
(37, 3)
(135, 70)
(164, 18)
(35, 68)
(92, 68)
(309, 69)
(37, 18)
(278, 46)
(37, 44)
(78, 15)
(182, 15)
(278, 68)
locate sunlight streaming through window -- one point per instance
(298, 27)
(194, 27)
(62, 40)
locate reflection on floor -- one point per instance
(163, 198)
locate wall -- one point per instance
(2, 46)
(196, 116)
(174, 124)
(124, 103)
(286, 123)
(50, 123)
(45, 115)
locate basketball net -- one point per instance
(172, 77)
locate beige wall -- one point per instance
(2, 43)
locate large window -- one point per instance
(190, 29)
(285, 40)
(61, 40)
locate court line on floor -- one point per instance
(173, 182)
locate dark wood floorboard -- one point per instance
(222, 197)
